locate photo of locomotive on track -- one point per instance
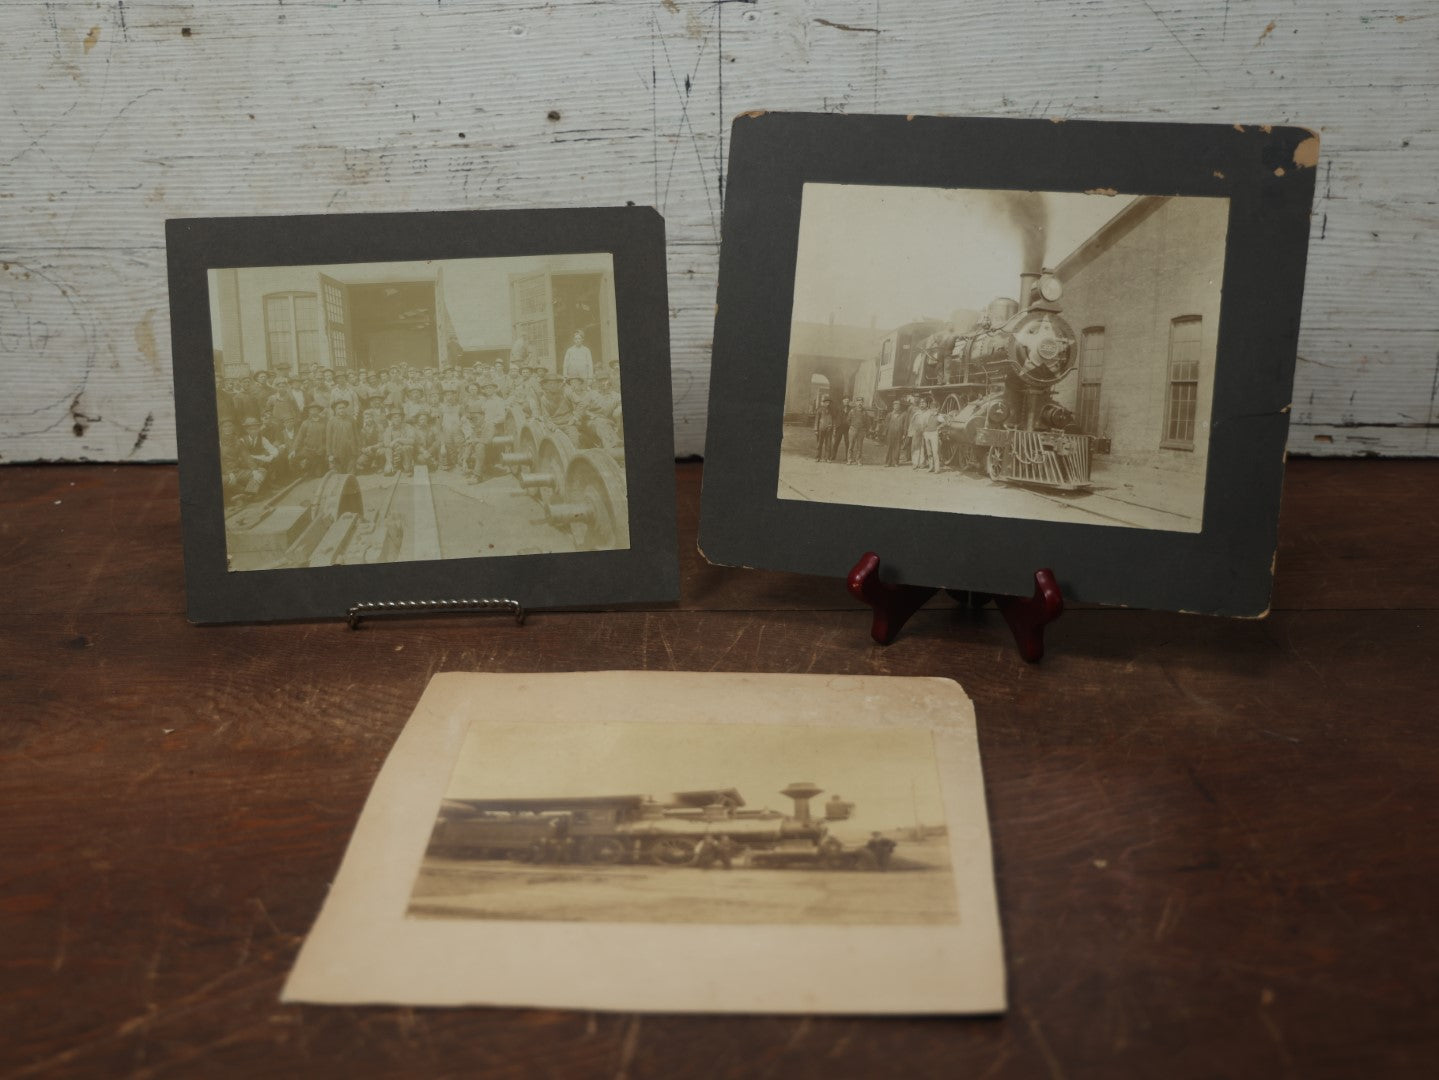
(994, 384)
(687, 828)
(1083, 396)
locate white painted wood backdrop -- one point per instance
(118, 115)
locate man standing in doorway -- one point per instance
(578, 360)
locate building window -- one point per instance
(1091, 374)
(1183, 385)
(292, 331)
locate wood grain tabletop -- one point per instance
(1217, 847)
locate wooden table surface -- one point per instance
(1216, 841)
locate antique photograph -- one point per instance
(690, 823)
(415, 411)
(670, 841)
(1020, 354)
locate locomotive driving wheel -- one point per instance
(606, 849)
(673, 851)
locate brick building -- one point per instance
(1143, 295)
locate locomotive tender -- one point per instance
(994, 385)
(635, 828)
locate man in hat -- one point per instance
(342, 438)
(823, 428)
(398, 443)
(917, 422)
(933, 418)
(308, 455)
(343, 391)
(894, 427)
(606, 414)
(372, 431)
(858, 425)
(556, 407)
(840, 438)
(486, 425)
(286, 403)
(426, 440)
(260, 450)
(452, 434)
(240, 479)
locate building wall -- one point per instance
(1168, 264)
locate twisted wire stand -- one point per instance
(396, 608)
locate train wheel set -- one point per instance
(582, 491)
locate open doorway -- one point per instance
(577, 308)
(393, 323)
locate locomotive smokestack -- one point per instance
(1027, 281)
(802, 792)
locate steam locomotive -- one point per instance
(994, 385)
(640, 829)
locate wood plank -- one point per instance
(124, 114)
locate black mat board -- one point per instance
(646, 572)
(1224, 569)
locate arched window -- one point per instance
(292, 331)
(1182, 400)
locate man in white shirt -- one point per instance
(578, 360)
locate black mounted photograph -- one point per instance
(385, 408)
(999, 352)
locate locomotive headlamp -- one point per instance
(1050, 288)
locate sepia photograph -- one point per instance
(398, 412)
(670, 841)
(1020, 354)
(690, 823)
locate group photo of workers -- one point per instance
(275, 429)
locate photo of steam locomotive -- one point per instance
(672, 831)
(1084, 396)
(993, 382)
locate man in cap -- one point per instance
(240, 479)
(372, 431)
(840, 438)
(452, 434)
(894, 427)
(486, 425)
(342, 438)
(823, 428)
(398, 443)
(262, 452)
(308, 455)
(427, 440)
(858, 428)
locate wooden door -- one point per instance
(337, 322)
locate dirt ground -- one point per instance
(918, 888)
(496, 517)
(1121, 495)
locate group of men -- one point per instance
(274, 429)
(846, 426)
(910, 431)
